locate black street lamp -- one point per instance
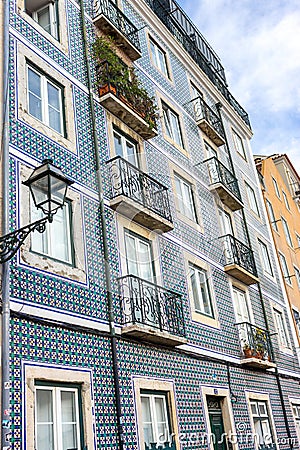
(48, 187)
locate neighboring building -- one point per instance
(151, 310)
(281, 191)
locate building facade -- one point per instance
(151, 312)
(281, 192)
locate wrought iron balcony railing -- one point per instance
(237, 253)
(110, 10)
(255, 342)
(174, 18)
(203, 112)
(220, 174)
(145, 303)
(129, 181)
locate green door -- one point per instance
(216, 423)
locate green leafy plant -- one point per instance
(114, 72)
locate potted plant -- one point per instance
(260, 350)
(115, 76)
(248, 351)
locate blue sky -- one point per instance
(258, 42)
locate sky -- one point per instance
(258, 42)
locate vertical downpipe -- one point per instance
(4, 213)
(111, 316)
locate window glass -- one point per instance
(201, 290)
(45, 100)
(155, 420)
(286, 232)
(172, 125)
(297, 275)
(277, 191)
(239, 145)
(265, 258)
(185, 198)
(159, 58)
(296, 414)
(285, 269)
(280, 327)
(262, 425)
(252, 199)
(286, 202)
(45, 16)
(56, 240)
(139, 256)
(272, 216)
(125, 147)
(57, 418)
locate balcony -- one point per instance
(224, 183)
(151, 312)
(209, 122)
(182, 28)
(113, 22)
(256, 346)
(239, 260)
(126, 99)
(138, 196)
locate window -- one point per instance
(57, 417)
(285, 199)
(159, 58)
(277, 191)
(252, 199)
(281, 330)
(56, 241)
(265, 258)
(239, 145)
(172, 125)
(185, 198)
(286, 232)
(297, 275)
(272, 216)
(298, 240)
(284, 268)
(155, 417)
(45, 99)
(45, 15)
(125, 147)
(200, 290)
(262, 425)
(296, 414)
(139, 256)
(211, 152)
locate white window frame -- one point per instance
(185, 197)
(56, 413)
(153, 414)
(287, 232)
(239, 144)
(285, 269)
(156, 51)
(261, 397)
(140, 239)
(52, 6)
(44, 81)
(172, 124)
(124, 140)
(295, 405)
(276, 187)
(252, 199)
(199, 272)
(297, 276)
(280, 325)
(48, 238)
(298, 240)
(265, 258)
(262, 417)
(285, 199)
(272, 215)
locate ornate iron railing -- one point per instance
(136, 99)
(128, 180)
(203, 111)
(255, 341)
(143, 302)
(238, 253)
(196, 46)
(110, 10)
(220, 174)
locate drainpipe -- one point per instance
(4, 212)
(277, 376)
(111, 315)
